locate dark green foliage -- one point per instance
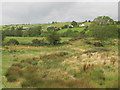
(2, 35)
(57, 29)
(34, 32)
(38, 42)
(118, 22)
(74, 23)
(103, 32)
(89, 21)
(53, 37)
(103, 20)
(98, 44)
(13, 41)
(50, 29)
(17, 33)
(70, 33)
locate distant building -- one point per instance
(82, 25)
(70, 26)
(25, 28)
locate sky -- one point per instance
(46, 12)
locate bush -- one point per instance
(38, 42)
(35, 41)
(98, 44)
(13, 41)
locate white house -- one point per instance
(82, 25)
(24, 28)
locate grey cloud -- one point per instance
(43, 12)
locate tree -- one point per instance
(117, 22)
(89, 21)
(53, 37)
(103, 20)
(51, 28)
(74, 23)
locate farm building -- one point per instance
(25, 28)
(82, 25)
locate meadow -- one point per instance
(64, 66)
(84, 60)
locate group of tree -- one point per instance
(23, 33)
(103, 28)
(52, 36)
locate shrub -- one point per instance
(37, 42)
(98, 44)
(13, 41)
(50, 28)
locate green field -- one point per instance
(27, 40)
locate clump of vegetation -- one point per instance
(32, 78)
(13, 73)
(74, 23)
(38, 42)
(98, 44)
(53, 37)
(13, 41)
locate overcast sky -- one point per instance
(44, 12)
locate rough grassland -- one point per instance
(66, 66)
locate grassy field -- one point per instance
(27, 40)
(68, 66)
(73, 29)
